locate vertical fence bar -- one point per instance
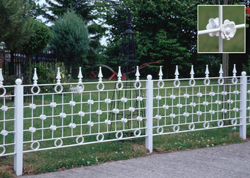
(18, 157)
(220, 23)
(149, 114)
(243, 105)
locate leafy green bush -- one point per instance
(47, 75)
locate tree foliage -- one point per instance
(41, 37)
(15, 26)
(165, 31)
(88, 11)
(70, 38)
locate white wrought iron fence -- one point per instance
(51, 116)
(196, 103)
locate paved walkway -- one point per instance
(223, 161)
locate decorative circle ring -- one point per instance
(1, 146)
(206, 125)
(80, 90)
(77, 140)
(137, 135)
(4, 91)
(61, 142)
(234, 80)
(117, 135)
(221, 81)
(38, 90)
(190, 82)
(160, 130)
(98, 86)
(206, 82)
(117, 85)
(160, 84)
(32, 145)
(220, 123)
(191, 126)
(234, 121)
(177, 84)
(102, 138)
(176, 128)
(135, 85)
(59, 90)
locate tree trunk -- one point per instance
(167, 64)
(11, 64)
(70, 72)
(30, 68)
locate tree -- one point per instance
(16, 26)
(37, 42)
(88, 11)
(70, 38)
(9, 16)
(157, 23)
(166, 49)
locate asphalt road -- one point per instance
(222, 161)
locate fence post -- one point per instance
(18, 157)
(243, 104)
(149, 114)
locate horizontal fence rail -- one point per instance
(49, 116)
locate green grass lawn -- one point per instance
(89, 154)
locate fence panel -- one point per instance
(248, 102)
(184, 105)
(57, 115)
(7, 118)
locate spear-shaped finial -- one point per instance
(1, 78)
(137, 74)
(119, 75)
(207, 72)
(160, 73)
(58, 76)
(192, 72)
(35, 78)
(221, 71)
(80, 75)
(100, 74)
(234, 71)
(176, 72)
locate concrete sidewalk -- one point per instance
(223, 161)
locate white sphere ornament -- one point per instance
(228, 30)
(18, 81)
(72, 125)
(149, 77)
(124, 120)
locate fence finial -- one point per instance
(221, 71)
(100, 74)
(119, 75)
(207, 72)
(176, 72)
(58, 76)
(80, 75)
(192, 72)
(1, 78)
(35, 78)
(137, 74)
(160, 73)
(234, 71)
